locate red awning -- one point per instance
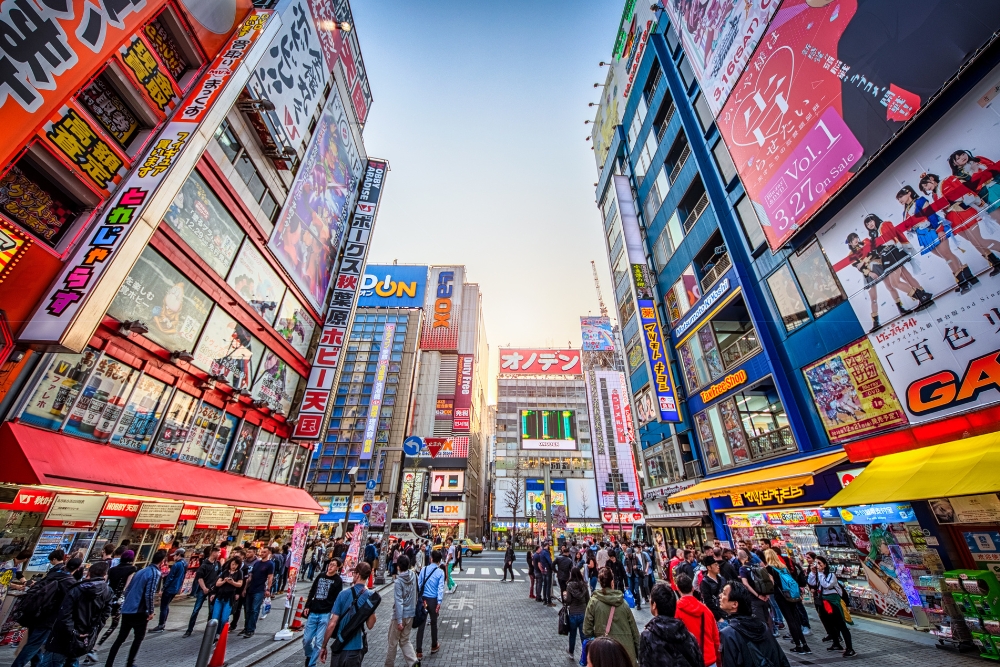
(34, 456)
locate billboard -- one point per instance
(853, 394)
(227, 348)
(548, 429)
(597, 334)
(539, 362)
(309, 231)
(338, 45)
(455, 447)
(378, 389)
(447, 481)
(442, 308)
(462, 417)
(829, 84)
(393, 286)
(718, 37)
(928, 226)
(607, 396)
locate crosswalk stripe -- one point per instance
(498, 571)
(524, 571)
(471, 570)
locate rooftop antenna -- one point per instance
(597, 284)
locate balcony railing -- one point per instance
(695, 213)
(742, 348)
(665, 122)
(675, 172)
(692, 470)
(721, 266)
(769, 444)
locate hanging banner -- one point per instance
(463, 394)
(215, 518)
(158, 516)
(70, 510)
(378, 389)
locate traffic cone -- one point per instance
(297, 621)
(219, 656)
(371, 580)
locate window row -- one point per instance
(805, 287)
(718, 346)
(233, 149)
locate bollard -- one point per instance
(205, 652)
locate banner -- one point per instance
(462, 418)
(607, 396)
(597, 334)
(829, 84)
(378, 389)
(918, 254)
(539, 362)
(852, 393)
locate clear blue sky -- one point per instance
(479, 108)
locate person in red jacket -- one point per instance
(674, 562)
(699, 621)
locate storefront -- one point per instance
(671, 526)
(447, 518)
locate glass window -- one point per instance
(695, 369)
(672, 40)
(256, 282)
(110, 110)
(201, 437)
(787, 298)
(636, 124)
(724, 161)
(733, 428)
(100, 403)
(36, 203)
(713, 362)
(177, 422)
(687, 74)
(676, 229)
(750, 222)
(242, 447)
(683, 294)
(162, 41)
(299, 465)
(142, 415)
(198, 216)
(708, 445)
(225, 435)
(705, 117)
(228, 142)
(764, 420)
(283, 466)
(264, 453)
(817, 280)
(58, 388)
(719, 435)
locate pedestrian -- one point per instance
(544, 575)
(817, 594)
(239, 601)
(257, 589)
(592, 569)
(608, 652)
(645, 572)
(323, 593)
(458, 555)
(430, 591)
(563, 566)
(84, 609)
(666, 641)
(674, 563)
(420, 555)
(711, 586)
(728, 565)
(530, 556)
(204, 579)
(226, 591)
(633, 572)
(786, 593)
(576, 596)
(40, 606)
(608, 615)
(138, 607)
(449, 563)
(350, 602)
(746, 640)
(118, 578)
(404, 605)
(602, 557)
(760, 585)
(618, 570)
(699, 621)
(801, 578)
(508, 562)
(278, 561)
(831, 608)
(172, 584)
(371, 554)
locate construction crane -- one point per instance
(597, 284)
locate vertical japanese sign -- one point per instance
(299, 535)
(342, 47)
(613, 460)
(378, 389)
(316, 398)
(82, 283)
(461, 422)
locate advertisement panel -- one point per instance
(548, 429)
(520, 361)
(463, 394)
(294, 323)
(609, 116)
(447, 481)
(254, 280)
(453, 447)
(275, 383)
(444, 511)
(829, 84)
(393, 286)
(411, 495)
(607, 395)
(662, 379)
(343, 47)
(198, 217)
(927, 226)
(378, 389)
(852, 393)
(719, 37)
(309, 231)
(442, 308)
(158, 516)
(71, 510)
(597, 334)
(226, 348)
(215, 518)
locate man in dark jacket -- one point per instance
(204, 578)
(53, 590)
(666, 641)
(745, 629)
(711, 586)
(508, 562)
(617, 569)
(172, 585)
(563, 566)
(545, 572)
(84, 610)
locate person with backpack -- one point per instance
(757, 580)
(711, 586)
(118, 578)
(137, 609)
(575, 597)
(204, 579)
(746, 641)
(607, 615)
(40, 606)
(787, 593)
(563, 566)
(84, 609)
(404, 607)
(830, 607)
(430, 593)
(666, 640)
(323, 593)
(351, 603)
(699, 620)
(172, 585)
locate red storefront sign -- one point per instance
(125, 508)
(30, 500)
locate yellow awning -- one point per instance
(793, 473)
(966, 467)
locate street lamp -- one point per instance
(353, 475)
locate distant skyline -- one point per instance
(479, 109)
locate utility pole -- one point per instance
(548, 503)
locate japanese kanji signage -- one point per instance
(378, 389)
(87, 273)
(927, 227)
(539, 362)
(79, 142)
(319, 388)
(343, 47)
(607, 397)
(828, 85)
(463, 394)
(779, 495)
(661, 380)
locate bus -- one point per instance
(410, 529)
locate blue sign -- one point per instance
(983, 543)
(872, 514)
(371, 485)
(661, 379)
(393, 286)
(412, 446)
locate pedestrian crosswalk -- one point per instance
(485, 572)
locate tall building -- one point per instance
(822, 264)
(171, 303)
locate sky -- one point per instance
(480, 108)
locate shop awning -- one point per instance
(966, 467)
(793, 473)
(34, 456)
(677, 522)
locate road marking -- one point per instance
(524, 571)
(498, 571)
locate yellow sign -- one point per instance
(759, 497)
(729, 382)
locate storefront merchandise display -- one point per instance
(971, 600)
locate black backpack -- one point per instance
(356, 622)
(761, 580)
(40, 602)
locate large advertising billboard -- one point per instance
(462, 418)
(597, 334)
(539, 362)
(607, 395)
(829, 84)
(928, 227)
(718, 37)
(442, 308)
(393, 286)
(548, 429)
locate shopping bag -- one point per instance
(629, 599)
(564, 620)
(266, 608)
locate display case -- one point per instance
(970, 606)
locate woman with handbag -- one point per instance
(833, 613)
(576, 596)
(608, 615)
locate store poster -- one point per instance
(177, 423)
(829, 84)
(275, 383)
(242, 446)
(294, 323)
(967, 509)
(142, 414)
(852, 393)
(985, 549)
(300, 532)
(875, 544)
(226, 348)
(101, 399)
(353, 552)
(719, 36)
(198, 216)
(929, 226)
(156, 294)
(256, 282)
